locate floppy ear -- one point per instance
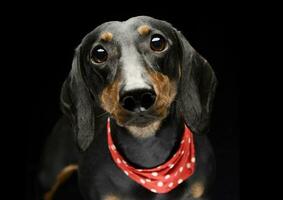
(197, 87)
(77, 104)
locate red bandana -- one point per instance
(166, 177)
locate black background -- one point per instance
(51, 33)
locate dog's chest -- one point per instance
(113, 181)
(102, 177)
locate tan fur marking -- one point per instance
(110, 101)
(106, 36)
(165, 90)
(63, 175)
(197, 190)
(111, 197)
(109, 97)
(143, 30)
(144, 132)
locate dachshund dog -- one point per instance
(136, 91)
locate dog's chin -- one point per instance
(143, 126)
(143, 129)
(141, 121)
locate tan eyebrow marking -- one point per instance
(143, 30)
(106, 36)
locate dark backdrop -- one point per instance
(52, 34)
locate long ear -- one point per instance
(197, 87)
(77, 105)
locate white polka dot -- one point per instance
(139, 170)
(171, 166)
(188, 165)
(147, 180)
(180, 181)
(170, 184)
(181, 169)
(193, 159)
(142, 181)
(124, 162)
(167, 176)
(158, 167)
(118, 160)
(154, 174)
(189, 140)
(174, 155)
(183, 152)
(113, 147)
(126, 173)
(153, 190)
(182, 141)
(160, 184)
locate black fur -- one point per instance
(98, 175)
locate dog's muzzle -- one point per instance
(138, 100)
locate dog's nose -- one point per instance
(138, 100)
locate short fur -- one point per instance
(184, 83)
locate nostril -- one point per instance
(147, 99)
(137, 100)
(129, 103)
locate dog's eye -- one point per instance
(98, 54)
(157, 42)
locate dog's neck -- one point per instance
(153, 150)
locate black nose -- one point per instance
(138, 100)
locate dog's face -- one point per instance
(134, 70)
(134, 67)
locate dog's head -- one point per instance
(135, 70)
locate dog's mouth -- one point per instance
(141, 119)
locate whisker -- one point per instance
(101, 115)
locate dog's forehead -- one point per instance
(127, 29)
